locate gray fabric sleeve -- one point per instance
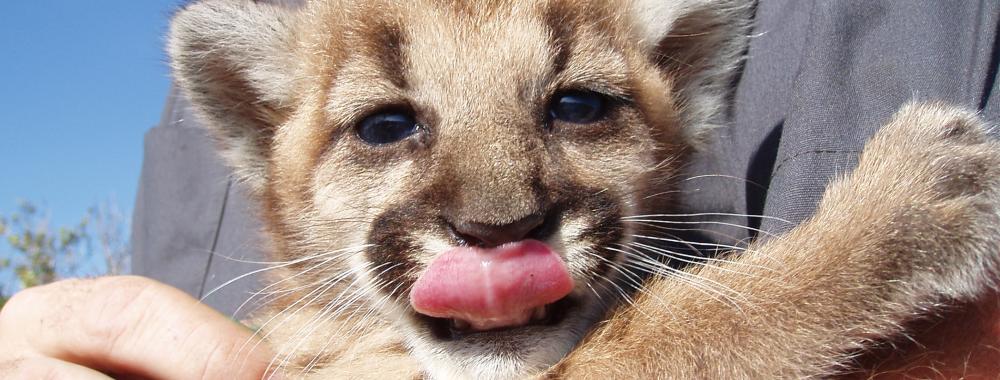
(192, 227)
(821, 77)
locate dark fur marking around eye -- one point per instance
(612, 125)
(363, 155)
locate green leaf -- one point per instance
(27, 276)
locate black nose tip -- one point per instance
(491, 235)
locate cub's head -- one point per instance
(467, 169)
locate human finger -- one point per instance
(47, 368)
(131, 325)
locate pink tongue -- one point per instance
(491, 288)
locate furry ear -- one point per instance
(233, 59)
(700, 45)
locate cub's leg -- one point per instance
(914, 226)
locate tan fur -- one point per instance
(355, 224)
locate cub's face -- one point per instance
(462, 169)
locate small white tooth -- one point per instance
(539, 313)
(459, 324)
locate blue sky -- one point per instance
(80, 83)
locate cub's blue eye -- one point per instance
(579, 107)
(387, 128)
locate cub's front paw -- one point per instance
(928, 184)
(932, 152)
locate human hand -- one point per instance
(126, 327)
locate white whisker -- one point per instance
(700, 282)
(762, 232)
(293, 262)
(698, 214)
(337, 299)
(699, 260)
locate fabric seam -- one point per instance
(777, 168)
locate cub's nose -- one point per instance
(491, 235)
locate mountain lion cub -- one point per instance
(481, 189)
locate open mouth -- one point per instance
(450, 329)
